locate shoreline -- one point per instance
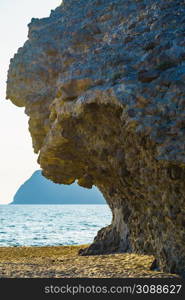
(64, 262)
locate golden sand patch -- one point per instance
(64, 262)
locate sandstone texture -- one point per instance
(102, 82)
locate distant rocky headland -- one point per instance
(102, 82)
(39, 190)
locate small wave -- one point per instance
(46, 228)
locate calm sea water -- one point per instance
(45, 225)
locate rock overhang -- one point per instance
(103, 85)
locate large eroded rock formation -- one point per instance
(103, 84)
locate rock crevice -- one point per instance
(102, 82)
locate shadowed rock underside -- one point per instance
(102, 82)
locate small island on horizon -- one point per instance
(39, 190)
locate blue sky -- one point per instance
(17, 160)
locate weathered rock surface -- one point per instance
(103, 84)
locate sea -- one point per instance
(51, 225)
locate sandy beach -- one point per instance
(64, 262)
